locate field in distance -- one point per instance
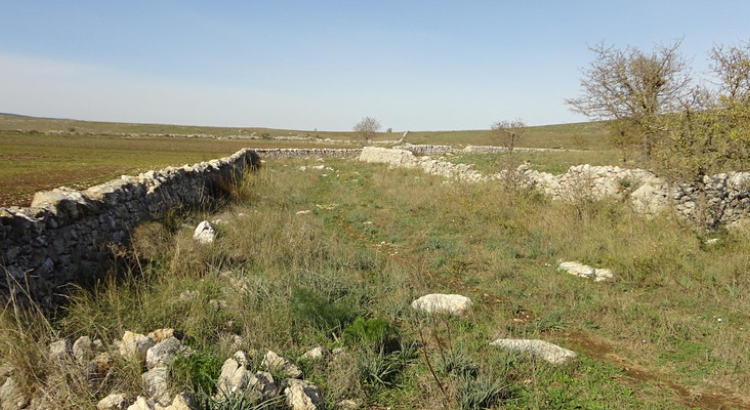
(40, 154)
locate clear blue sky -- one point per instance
(414, 65)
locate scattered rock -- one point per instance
(156, 384)
(115, 401)
(455, 305)
(233, 378)
(12, 396)
(315, 353)
(304, 212)
(236, 380)
(301, 395)
(182, 402)
(164, 353)
(60, 350)
(273, 361)
(545, 350)
(348, 405)
(103, 362)
(264, 385)
(160, 335)
(204, 233)
(585, 271)
(83, 350)
(134, 346)
(141, 404)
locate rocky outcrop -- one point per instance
(68, 236)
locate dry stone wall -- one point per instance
(727, 195)
(307, 152)
(67, 236)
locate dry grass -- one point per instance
(375, 239)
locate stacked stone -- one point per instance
(68, 235)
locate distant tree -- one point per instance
(367, 127)
(633, 89)
(508, 133)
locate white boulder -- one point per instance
(455, 305)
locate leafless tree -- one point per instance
(367, 127)
(633, 88)
(508, 133)
(732, 66)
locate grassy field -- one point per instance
(39, 154)
(670, 332)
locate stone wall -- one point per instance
(307, 152)
(726, 198)
(67, 236)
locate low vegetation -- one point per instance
(669, 332)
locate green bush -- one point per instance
(199, 371)
(329, 314)
(377, 334)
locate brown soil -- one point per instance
(714, 397)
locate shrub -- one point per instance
(328, 314)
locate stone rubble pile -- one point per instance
(276, 380)
(156, 353)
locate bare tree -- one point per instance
(634, 89)
(732, 66)
(367, 127)
(508, 133)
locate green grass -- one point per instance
(376, 238)
(345, 275)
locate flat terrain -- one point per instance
(335, 256)
(40, 154)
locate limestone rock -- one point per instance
(60, 350)
(141, 404)
(156, 384)
(315, 353)
(348, 405)
(164, 353)
(83, 350)
(586, 271)
(115, 401)
(159, 335)
(548, 351)
(134, 346)
(301, 395)
(273, 361)
(233, 378)
(204, 233)
(182, 402)
(455, 305)
(11, 395)
(264, 385)
(236, 380)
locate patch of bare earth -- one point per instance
(711, 397)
